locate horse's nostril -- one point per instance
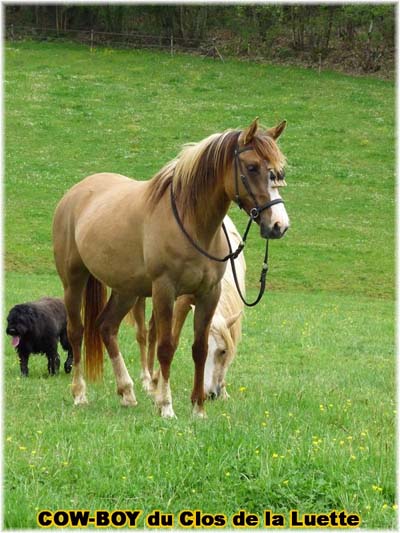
(276, 230)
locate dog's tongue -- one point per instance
(15, 341)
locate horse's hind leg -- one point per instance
(151, 349)
(73, 299)
(139, 314)
(108, 322)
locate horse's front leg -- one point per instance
(163, 295)
(204, 311)
(181, 310)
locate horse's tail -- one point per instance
(95, 298)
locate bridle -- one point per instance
(253, 215)
(257, 209)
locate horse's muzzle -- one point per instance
(277, 231)
(214, 394)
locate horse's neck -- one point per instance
(208, 216)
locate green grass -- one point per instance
(310, 424)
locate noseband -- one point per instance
(254, 213)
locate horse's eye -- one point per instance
(272, 175)
(222, 352)
(252, 168)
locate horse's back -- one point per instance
(88, 190)
(89, 200)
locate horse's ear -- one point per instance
(277, 131)
(247, 135)
(232, 319)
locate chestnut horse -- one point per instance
(112, 231)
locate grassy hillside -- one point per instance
(310, 422)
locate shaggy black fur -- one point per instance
(36, 327)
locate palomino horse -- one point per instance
(109, 230)
(225, 330)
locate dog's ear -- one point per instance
(27, 317)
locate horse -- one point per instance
(225, 329)
(113, 231)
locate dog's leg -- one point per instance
(57, 363)
(68, 363)
(23, 363)
(50, 364)
(52, 357)
(66, 347)
(53, 362)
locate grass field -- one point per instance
(310, 424)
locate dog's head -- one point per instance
(20, 321)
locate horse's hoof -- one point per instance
(199, 412)
(80, 399)
(128, 398)
(78, 389)
(167, 411)
(128, 401)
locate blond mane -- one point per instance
(230, 303)
(200, 164)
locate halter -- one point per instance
(253, 215)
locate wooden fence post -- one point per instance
(172, 44)
(91, 40)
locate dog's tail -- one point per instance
(95, 298)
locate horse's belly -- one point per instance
(116, 264)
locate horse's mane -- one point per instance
(199, 165)
(230, 303)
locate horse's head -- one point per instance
(221, 352)
(258, 174)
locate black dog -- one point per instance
(36, 327)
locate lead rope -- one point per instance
(231, 255)
(263, 276)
